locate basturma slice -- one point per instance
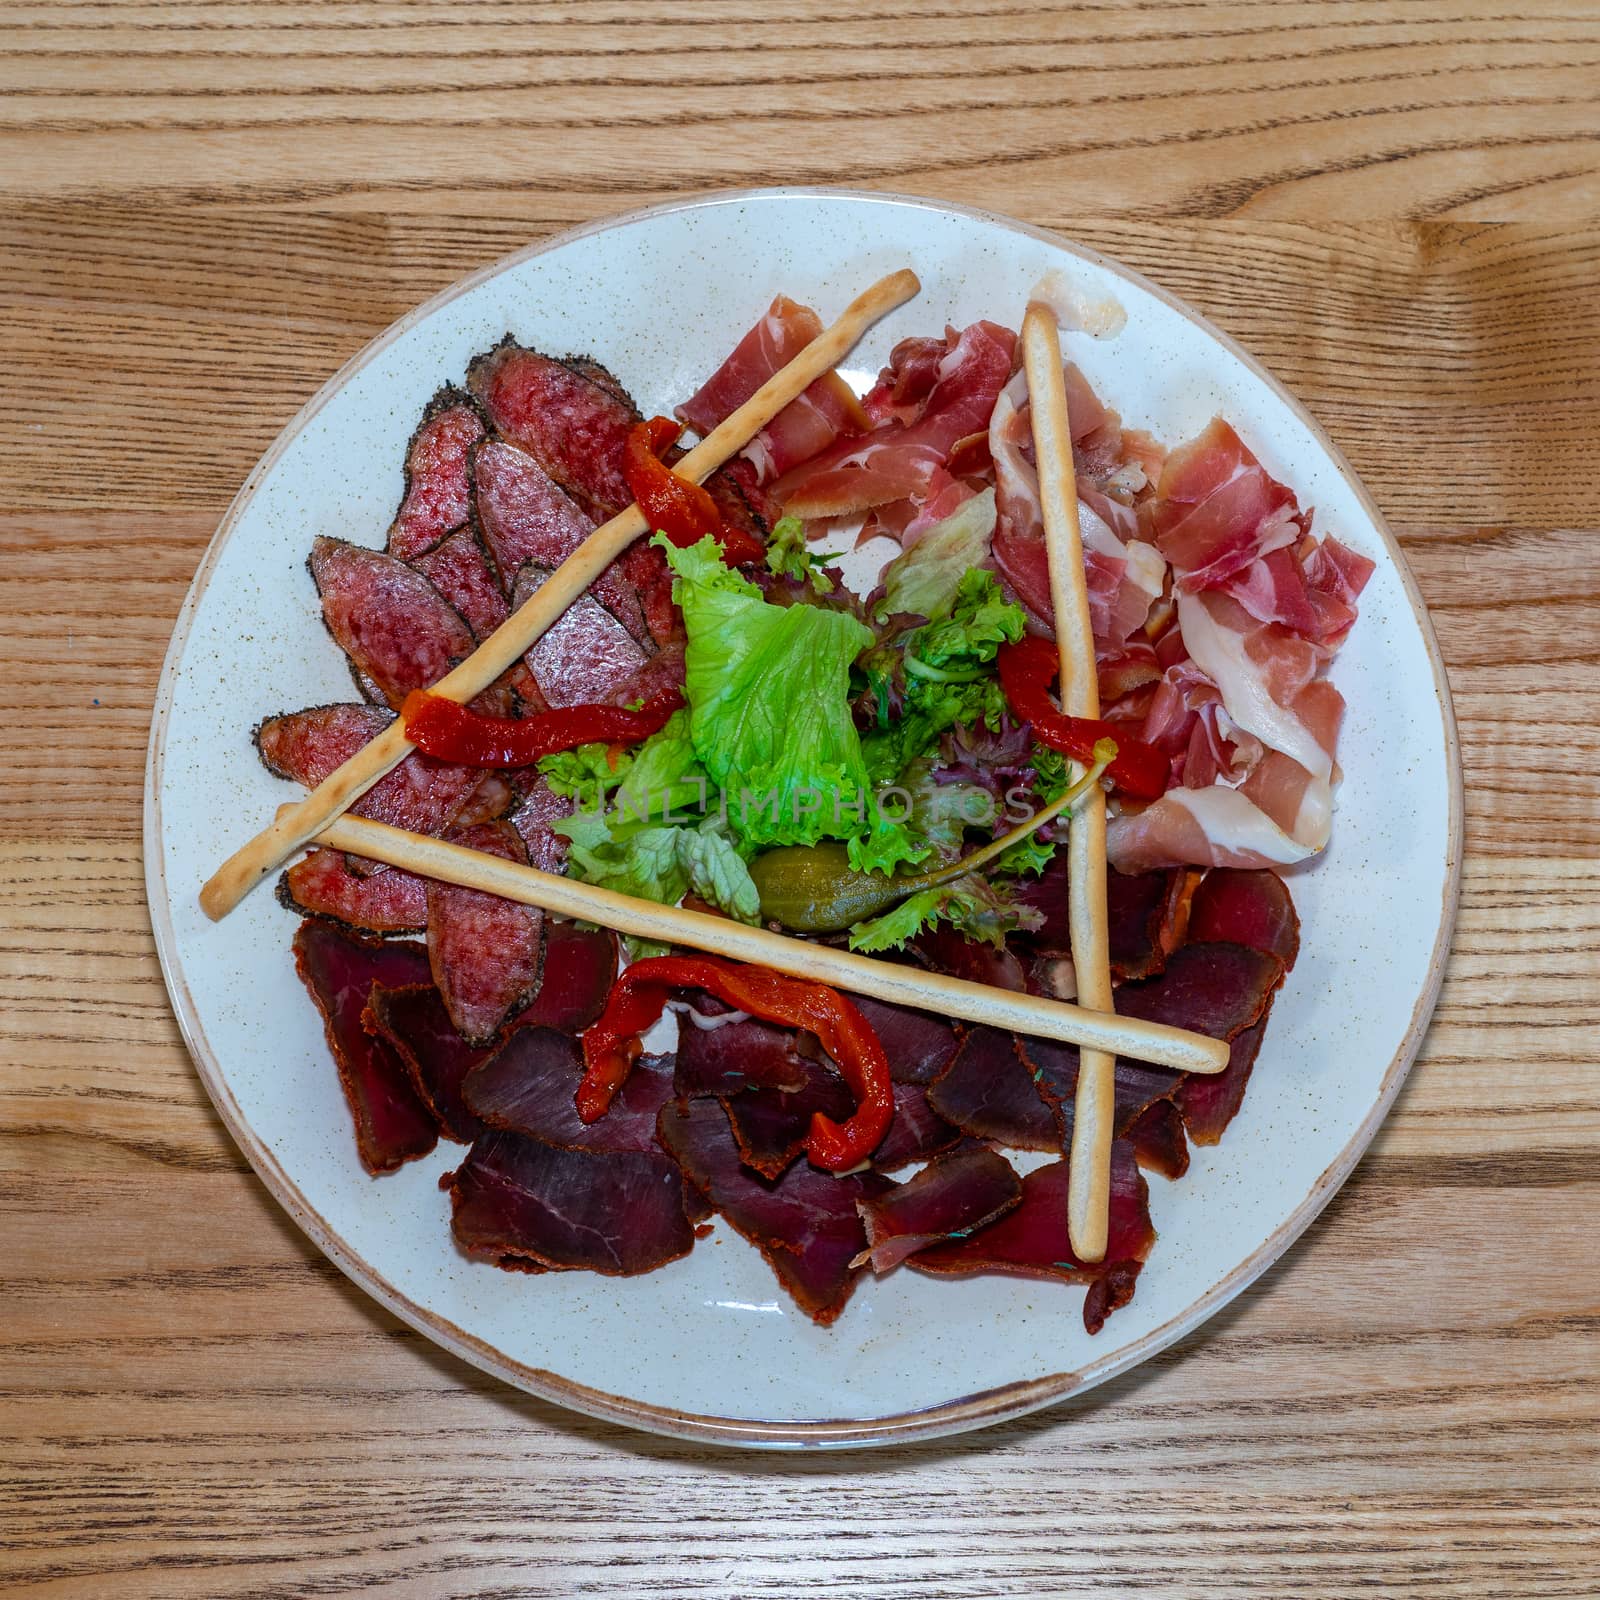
(917, 1132)
(392, 623)
(951, 1197)
(421, 795)
(1158, 1140)
(516, 1201)
(524, 515)
(1055, 1073)
(918, 1044)
(1236, 906)
(322, 885)
(413, 1022)
(1216, 989)
(580, 965)
(805, 1224)
(436, 497)
(1141, 915)
(392, 1124)
(459, 569)
(989, 1093)
(1209, 1103)
(721, 1053)
(770, 1125)
(484, 951)
(1031, 1241)
(528, 1086)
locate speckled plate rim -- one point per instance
(956, 1416)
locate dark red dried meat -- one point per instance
(414, 1024)
(949, 953)
(988, 1092)
(917, 1132)
(458, 567)
(770, 1125)
(580, 965)
(1031, 1241)
(1158, 1140)
(396, 627)
(585, 657)
(524, 516)
(1055, 1074)
(805, 1224)
(1216, 989)
(1141, 915)
(527, 1086)
(1209, 1102)
(516, 1199)
(721, 1054)
(951, 1197)
(339, 969)
(436, 496)
(484, 951)
(1236, 906)
(420, 794)
(323, 885)
(918, 1044)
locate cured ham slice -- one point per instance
(322, 885)
(916, 1133)
(484, 951)
(905, 384)
(392, 623)
(951, 1197)
(805, 426)
(436, 497)
(722, 1053)
(338, 969)
(459, 568)
(1311, 589)
(898, 459)
(586, 657)
(413, 1022)
(1031, 1241)
(1217, 827)
(516, 1200)
(1248, 908)
(527, 1086)
(421, 794)
(805, 1225)
(989, 1093)
(1216, 510)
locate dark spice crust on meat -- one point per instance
(445, 398)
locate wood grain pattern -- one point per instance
(209, 205)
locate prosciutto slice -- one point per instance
(392, 623)
(989, 1093)
(322, 885)
(338, 969)
(421, 794)
(1031, 1240)
(436, 497)
(484, 951)
(805, 1225)
(951, 1197)
(516, 1200)
(804, 427)
(413, 1022)
(898, 459)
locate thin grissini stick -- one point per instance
(273, 846)
(1089, 1173)
(843, 969)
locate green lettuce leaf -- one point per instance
(923, 579)
(974, 908)
(586, 774)
(787, 556)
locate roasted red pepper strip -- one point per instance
(638, 997)
(677, 506)
(449, 732)
(1027, 669)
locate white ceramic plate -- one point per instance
(709, 1347)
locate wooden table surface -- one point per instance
(209, 205)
